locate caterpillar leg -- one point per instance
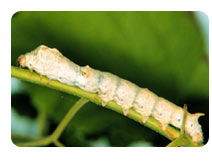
(41, 77)
(144, 119)
(180, 140)
(31, 69)
(104, 103)
(125, 111)
(49, 80)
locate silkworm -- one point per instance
(51, 63)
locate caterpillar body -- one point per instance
(51, 63)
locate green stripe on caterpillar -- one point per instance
(51, 63)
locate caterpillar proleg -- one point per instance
(51, 63)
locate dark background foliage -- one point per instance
(162, 51)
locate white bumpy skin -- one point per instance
(145, 103)
(51, 63)
(163, 112)
(125, 94)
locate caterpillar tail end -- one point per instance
(199, 114)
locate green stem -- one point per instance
(181, 141)
(182, 131)
(58, 143)
(53, 138)
(42, 122)
(56, 134)
(41, 142)
(177, 142)
(171, 133)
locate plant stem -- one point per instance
(182, 131)
(58, 143)
(41, 142)
(42, 123)
(177, 142)
(53, 138)
(171, 133)
(56, 134)
(181, 141)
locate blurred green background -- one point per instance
(166, 52)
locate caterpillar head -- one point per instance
(34, 57)
(26, 60)
(193, 127)
(21, 61)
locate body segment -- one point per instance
(107, 87)
(145, 103)
(125, 95)
(163, 112)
